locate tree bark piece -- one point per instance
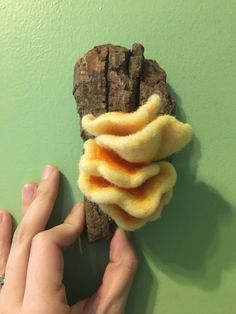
(114, 78)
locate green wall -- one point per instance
(188, 258)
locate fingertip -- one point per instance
(120, 236)
(120, 271)
(78, 209)
(56, 169)
(30, 184)
(49, 172)
(4, 213)
(77, 217)
(121, 248)
(79, 206)
(28, 190)
(5, 219)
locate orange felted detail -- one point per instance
(101, 162)
(114, 160)
(130, 223)
(98, 182)
(139, 202)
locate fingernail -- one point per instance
(28, 192)
(78, 212)
(47, 171)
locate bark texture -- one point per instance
(114, 78)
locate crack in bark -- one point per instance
(106, 79)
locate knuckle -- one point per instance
(71, 227)
(40, 239)
(132, 262)
(21, 235)
(42, 192)
(45, 193)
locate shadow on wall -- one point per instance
(143, 294)
(84, 267)
(192, 242)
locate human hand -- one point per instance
(33, 261)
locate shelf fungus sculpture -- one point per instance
(122, 168)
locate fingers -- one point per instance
(46, 274)
(28, 195)
(5, 239)
(119, 273)
(34, 221)
(37, 216)
(112, 295)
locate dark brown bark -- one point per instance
(114, 78)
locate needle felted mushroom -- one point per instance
(128, 127)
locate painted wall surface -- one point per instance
(188, 258)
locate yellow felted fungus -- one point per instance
(139, 202)
(98, 161)
(123, 123)
(128, 222)
(159, 139)
(121, 170)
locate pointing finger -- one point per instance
(33, 222)
(112, 295)
(120, 271)
(47, 274)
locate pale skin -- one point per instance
(32, 260)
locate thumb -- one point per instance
(112, 295)
(121, 269)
